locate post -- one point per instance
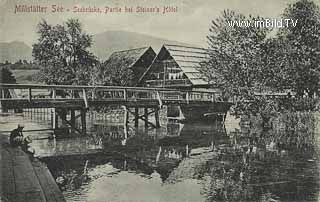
(146, 117)
(63, 116)
(157, 118)
(93, 94)
(73, 120)
(212, 97)
(125, 96)
(55, 120)
(83, 121)
(84, 95)
(159, 99)
(126, 116)
(136, 117)
(54, 94)
(2, 108)
(187, 97)
(187, 150)
(29, 94)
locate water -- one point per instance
(177, 163)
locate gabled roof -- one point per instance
(126, 58)
(189, 58)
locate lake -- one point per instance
(179, 162)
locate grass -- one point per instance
(25, 76)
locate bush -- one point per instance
(294, 129)
(299, 104)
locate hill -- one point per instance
(15, 51)
(107, 42)
(103, 45)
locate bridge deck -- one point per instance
(72, 103)
(23, 179)
(85, 96)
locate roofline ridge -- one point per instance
(183, 46)
(144, 47)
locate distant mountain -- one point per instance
(107, 42)
(14, 51)
(103, 45)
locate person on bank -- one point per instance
(17, 139)
(16, 136)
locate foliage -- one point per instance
(6, 76)
(299, 104)
(301, 54)
(275, 59)
(294, 129)
(258, 108)
(115, 76)
(247, 59)
(235, 62)
(62, 52)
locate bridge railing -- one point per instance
(92, 93)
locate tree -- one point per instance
(235, 63)
(302, 53)
(115, 76)
(6, 76)
(62, 52)
(276, 64)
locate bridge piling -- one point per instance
(136, 117)
(63, 115)
(73, 120)
(157, 118)
(146, 117)
(2, 108)
(55, 120)
(83, 121)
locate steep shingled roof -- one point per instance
(126, 58)
(189, 58)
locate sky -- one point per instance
(190, 24)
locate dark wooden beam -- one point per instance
(136, 117)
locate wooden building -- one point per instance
(138, 60)
(176, 66)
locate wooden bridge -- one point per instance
(68, 99)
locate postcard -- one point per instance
(159, 100)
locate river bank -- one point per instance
(24, 178)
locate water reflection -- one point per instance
(192, 162)
(243, 164)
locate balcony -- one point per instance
(168, 83)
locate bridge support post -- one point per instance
(55, 120)
(126, 116)
(83, 121)
(136, 117)
(156, 115)
(61, 130)
(73, 120)
(146, 117)
(63, 116)
(2, 108)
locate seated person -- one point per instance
(17, 139)
(16, 136)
